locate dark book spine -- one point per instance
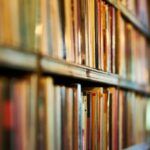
(63, 116)
(80, 119)
(110, 121)
(96, 34)
(83, 31)
(62, 20)
(8, 135)
(40, 144)
(89, 127)
(75, 120)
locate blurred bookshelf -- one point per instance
(85, 76)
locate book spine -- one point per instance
(98, 35)
(89, 128)
(69, 118)
(49, 113)
(57, 118)
(32, 111)
(93, 121)
(1, 108)
(69, 31)
(63, 116)
(91, 32)
(80, 116)
(84, 122)
(75, 120)
(41, 116)
(102, 34)
(8, 140)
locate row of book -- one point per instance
(86, 32)
(132, 54)
(138, 8)
(40, 114)
(18, 105)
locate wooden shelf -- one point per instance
(60, 67)
(10, 58)
(17, 59)
(78, 71)
(131, 18)
(126, 84)
(143, 146)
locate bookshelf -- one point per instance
(76, 80)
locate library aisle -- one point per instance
(75, 75)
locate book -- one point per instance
(112, 17)
(120, 51)
(77, 117)
(18, 106)
(84, 122)
(98, 44)
(57, 118)
(69, 30)
(52, 40)
(91, 32)
(115, 108)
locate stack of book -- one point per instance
(18, 99)
(44, 115)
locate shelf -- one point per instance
(126, 84)
(130, 17)
(60, 67)
(143, 146)
(17, 59)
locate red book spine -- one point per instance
(8, 125)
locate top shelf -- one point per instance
(130, 17)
